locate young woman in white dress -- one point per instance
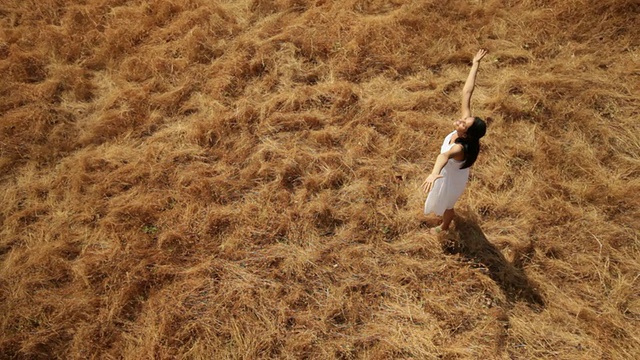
(459, 151)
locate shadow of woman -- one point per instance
(468, 240)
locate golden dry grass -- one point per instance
(240, 179)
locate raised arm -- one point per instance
(467, 90)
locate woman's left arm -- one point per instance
(470, 84)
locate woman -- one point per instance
(459, 151)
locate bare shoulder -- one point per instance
(455, 151)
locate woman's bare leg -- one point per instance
(446, 219)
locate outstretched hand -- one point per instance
(481, 53)
(427, 185)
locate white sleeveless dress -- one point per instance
(447, 189)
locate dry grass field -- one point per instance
(239, 179)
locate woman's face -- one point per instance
(462, 125)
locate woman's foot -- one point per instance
(437, 230)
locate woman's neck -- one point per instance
(458, 135)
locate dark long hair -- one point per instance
(471, 142)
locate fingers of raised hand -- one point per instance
(481, 53)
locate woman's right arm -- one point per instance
(467, 90)
(441, 161)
